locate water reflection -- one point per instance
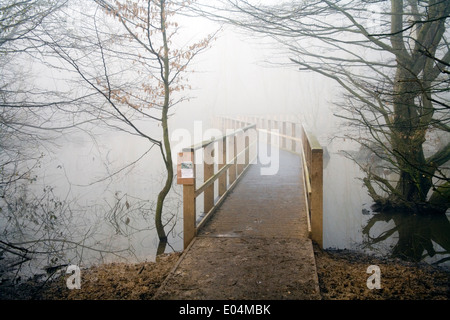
(349, 223)
(412, 237)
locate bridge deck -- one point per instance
(255, 246)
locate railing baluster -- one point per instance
(208, 172)
(234, 158)
(222, 163)
(232, 155)
(294, 134)
(247, 150)
(189, 205)
(240, 149)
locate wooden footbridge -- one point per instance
(261, 195)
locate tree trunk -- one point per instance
(440, 199)
(169, 179)
(165, 148)
(407, 138)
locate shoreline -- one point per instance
(342, 276)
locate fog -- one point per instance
(233, 78)
(111, 178)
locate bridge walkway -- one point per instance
(255, 246)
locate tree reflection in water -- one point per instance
(419, 236)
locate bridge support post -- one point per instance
(208, 172)
(317, 196)
(240, 147)
(233, 153)
(283, 132)
(247, 150)
(186, 177)
(189, 228)
(293, 134)
(222, 163)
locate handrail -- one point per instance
(311, 153)
(228, 173)
(206, 143)
(213, 179)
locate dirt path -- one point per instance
(244, 269)
(342, 276)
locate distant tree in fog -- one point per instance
(392, 58)
(31, 224)
(19, 23)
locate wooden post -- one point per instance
(293, 134)
(232, 155)
(247, 149)
(235, 146)
(317, 196)
(189, 208)
(240, 147)
(189, 228)
(277, 138)
(283, 132)
(208, 172)
(222, 163)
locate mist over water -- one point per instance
(113, 201)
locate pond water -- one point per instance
(349, 222)
(108, 211)
(112, 220)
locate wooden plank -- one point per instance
(208, 172)
(218, 174)
(240, 147)
(247, 150)
(222, 162)
(294, 136)
(317, 198)
(232, 244)
(205, 143)
(212, 179)
(220, 200)
(232, 157)
(189, 207)
(280, 135)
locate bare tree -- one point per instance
(35, 227)
(392, 59)
(129, 55)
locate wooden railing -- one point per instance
(312, 158)
(305, 144)
(233, 160)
